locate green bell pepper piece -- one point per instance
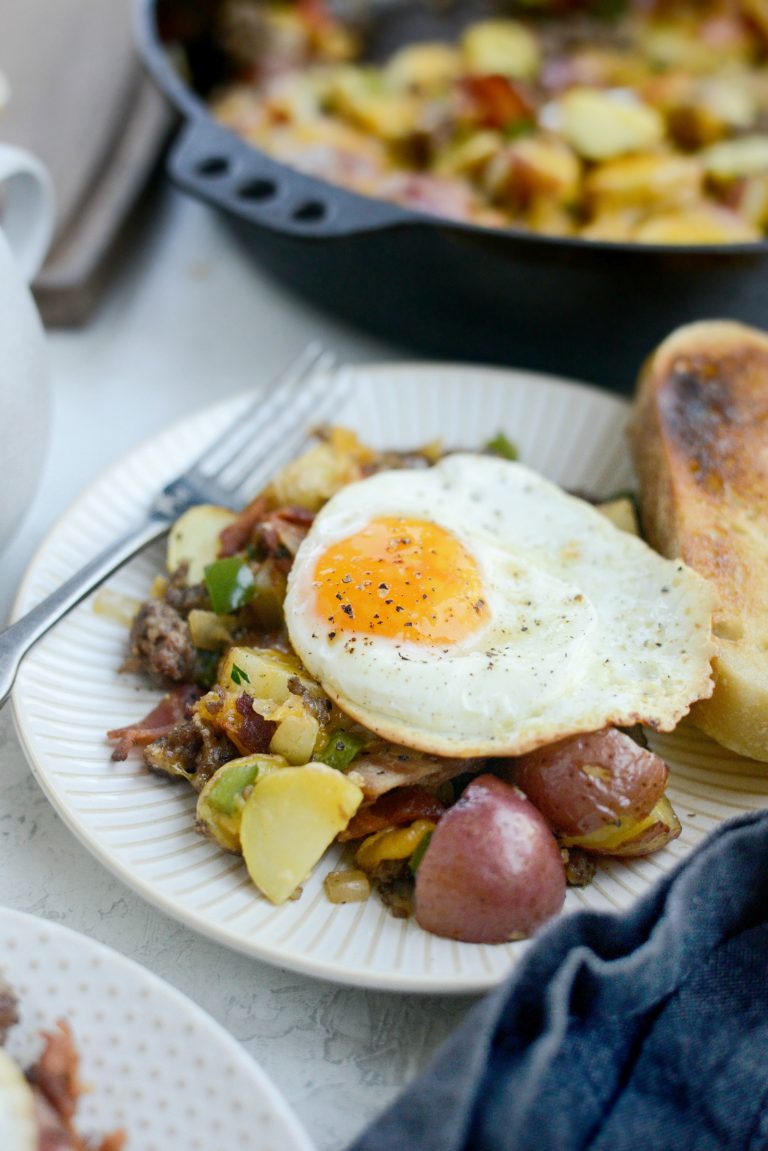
(340, 749)
(230, 584)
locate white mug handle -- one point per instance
(27, 208)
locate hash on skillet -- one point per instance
(638, 121)
(252, 730)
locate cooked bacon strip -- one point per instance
(56, 1088)
(398, 807)
(255, 732)
(496, 102)
(172, 708)
(56, 1072)
(53, 1132)
(236, 536)
(377, 772)
(281, 532)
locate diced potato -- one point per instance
(622, 514)
(209, 631)
(392, 116)
(750, 199)
(297, 732)
(535, 168)
(295, 96)
(732, 159)
(236, 108)
(613, 225)
(194, 539)
(221, 802)
(367, 103)
(320, 472)
(666, 90)
(716, 107)
(602, 125)
(468, 156)
(549, 219)
(392, 844)
(326, 138)
(501, 47)
(632, 839)
(703, 224)
(424, 67)
(288, 822)
(672, 44)
(263, 672)
(644, 181)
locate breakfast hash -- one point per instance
(439, 660)
(636, 121)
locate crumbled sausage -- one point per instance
(161, 644)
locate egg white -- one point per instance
(587, 626)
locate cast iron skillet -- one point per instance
(458, 291)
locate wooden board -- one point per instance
(79, 101)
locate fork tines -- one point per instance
(272, 428)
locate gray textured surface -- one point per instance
(190, 320)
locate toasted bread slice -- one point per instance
(699, 437)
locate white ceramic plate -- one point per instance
(156, 1065)
(69, 693)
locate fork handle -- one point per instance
(17, 639)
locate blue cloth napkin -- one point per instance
(646, 1030)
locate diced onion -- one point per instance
(347, 886)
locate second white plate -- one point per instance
(156, 1065)
(69, 693)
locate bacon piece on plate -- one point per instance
(255, 732)
(236, 536)
(384, 769)
(395, 808)
(172, 708)
(280, 533)
(56, 1087)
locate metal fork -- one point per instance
(262, 438)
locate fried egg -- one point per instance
(475, 608)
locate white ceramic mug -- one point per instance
(26, 227)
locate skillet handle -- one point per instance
(215, 165)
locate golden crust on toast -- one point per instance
(699, 438)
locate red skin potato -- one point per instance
(622, 781)
(492, 871)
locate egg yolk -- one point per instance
(408, 580)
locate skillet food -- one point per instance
(436, 660)
(647, 123)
